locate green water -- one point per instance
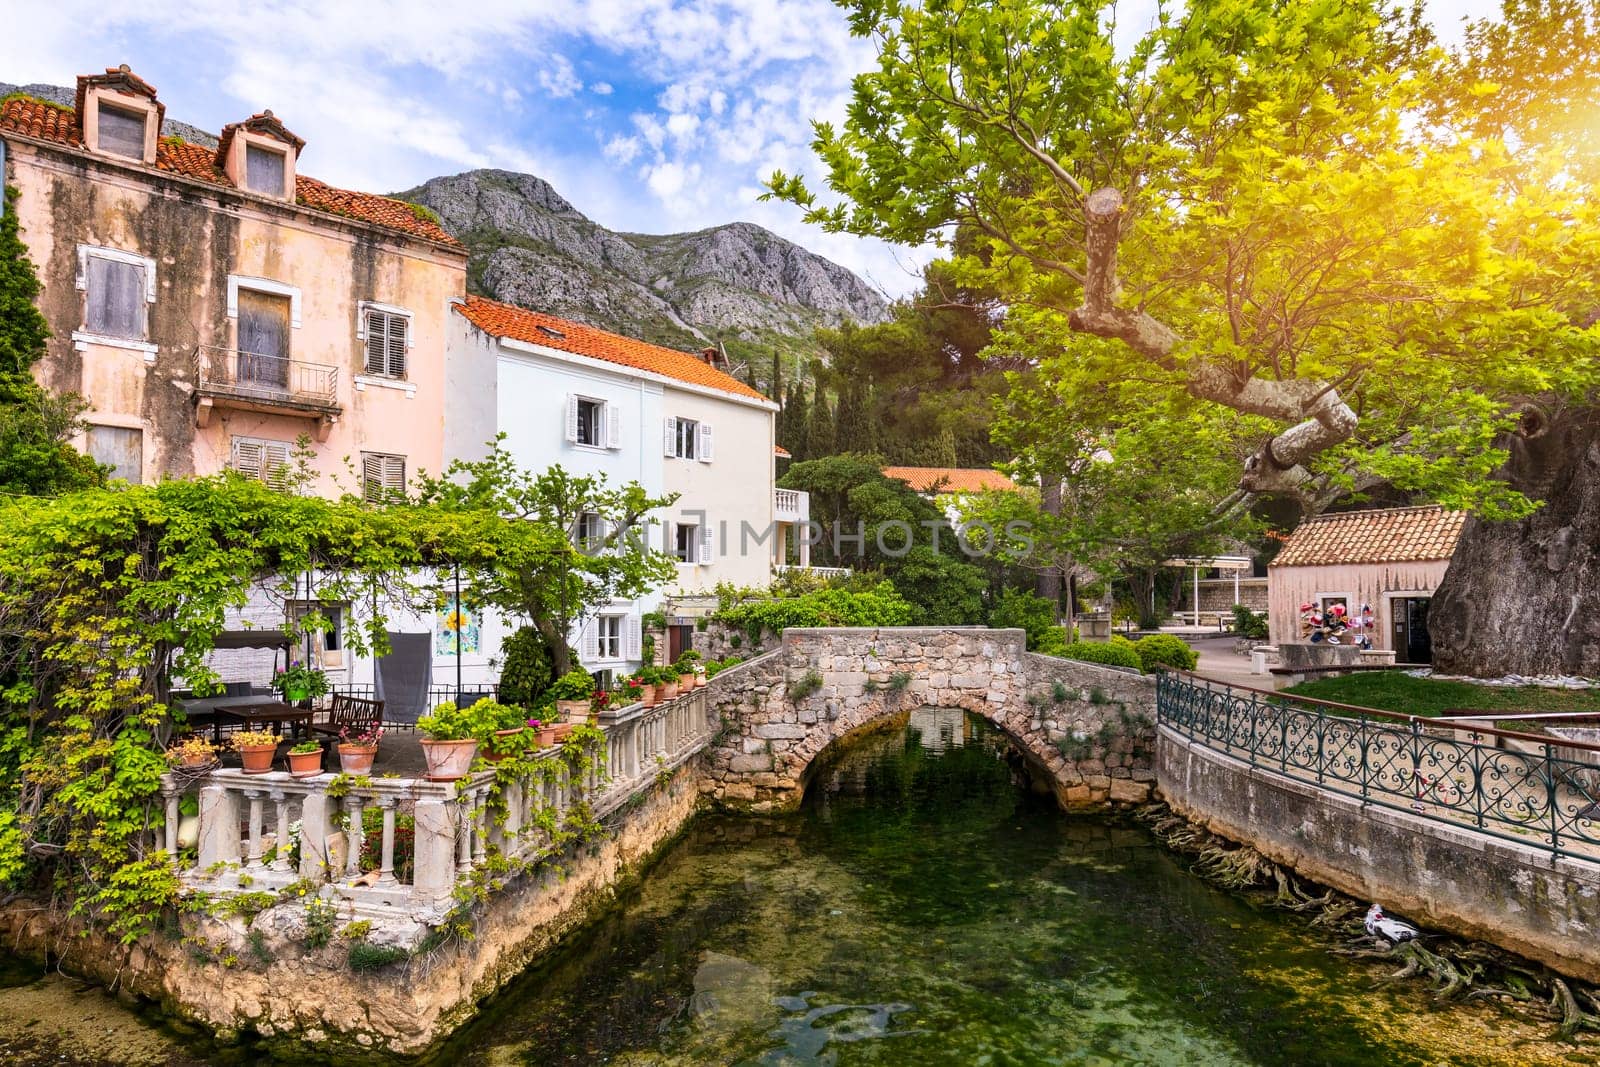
(923, 909)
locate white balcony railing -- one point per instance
(791, 505)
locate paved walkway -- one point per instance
(1220, 663)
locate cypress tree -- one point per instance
(820, 432)
(796, 423)
(23, 330)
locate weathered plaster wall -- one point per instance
(1518, 897)
(1093, 744)
(405, 1008)
(199, 234)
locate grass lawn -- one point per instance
(1397, 691)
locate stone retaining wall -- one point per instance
(1090, 728)
(1517, 896)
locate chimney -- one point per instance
(711, 355)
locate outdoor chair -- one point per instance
(354, 714)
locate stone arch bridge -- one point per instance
(1089, 729)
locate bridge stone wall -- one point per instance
(1090, 728)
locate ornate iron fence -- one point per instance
(1536, 790)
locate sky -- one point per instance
(652, 116)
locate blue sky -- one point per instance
(648, 115)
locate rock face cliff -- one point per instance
(737, 284)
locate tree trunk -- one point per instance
(1143, 583)
(1049, 581)
(1524, 597)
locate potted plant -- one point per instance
(544, 733)
(449, 743)
(305, 759)
(688, 673)
(300, 682)
(505, 729)
(630, 691)
(192, 752)
(358, 750)
(669, 682)
(649, 682)
(572, 692)
(256, 749)
(599, 703)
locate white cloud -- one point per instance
(622, 150)
(559, 79)
(601, 88)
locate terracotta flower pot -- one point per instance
(502, 745)
(573, 710)
(196, 759)
(449, 760)
(257, 759)
(357, 759)
(686, 683)
(545, 736)
(305, 764)
(651, 695)
(669, 690)
(563, 730)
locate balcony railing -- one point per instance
(791, 505)
(275, 380)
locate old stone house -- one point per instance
(1389, 561)
(213, 305)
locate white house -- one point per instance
(597, 402)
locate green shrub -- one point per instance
(805, 685)
(881, 605)
(527, 671)
(1021, 610)
(366, 957)
(576, 684)
(1247, 623)
(1117, 652)
(1165, 650)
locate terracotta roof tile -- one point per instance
(950, 479)
(781, 452)
(47, 122)
(507, 320)
(1393, 535)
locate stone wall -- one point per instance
(719, 641)
(1516, 896)
(231, 975)
(1089, 728)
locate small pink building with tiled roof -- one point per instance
(213, 304)
(1390, 560)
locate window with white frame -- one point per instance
(608, 637)
(117, 289)
(681, 437)
(387, 334)
(264, 170)
(266, 460)
(121, 131)
(593, 423)
(590, 533)
(383, 476)
(691, 543)
(118, 447)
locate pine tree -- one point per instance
(820, 432)
(855, 427)
(796, 423)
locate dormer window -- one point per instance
(263, 170)
(121, 130)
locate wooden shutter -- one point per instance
(263, 170)
(633, 638)
(263, 338)
(275, 464)
(386, 343)
(572, 419)
(116, 292)
(703, 449)
(382, 476)
(121, 131)
(705, 543)
(117, 447)
(671, 435)
(590, 642)
(612, 415)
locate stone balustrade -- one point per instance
(249, 824)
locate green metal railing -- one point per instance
(1533, 789)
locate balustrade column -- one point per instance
(386, 856)
(480, 837)
(464, 834)
(253, 853)
(355, 837)
(170, 830)
(280, 856)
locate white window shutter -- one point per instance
(613, 416)
(394, 474)
(590, 642)
(371, 476)
(633, 639)
(703, 452)
(705, 543)
(572, 419)
(671, 442)
(246, 457)
(275, 457)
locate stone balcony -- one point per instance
(249, 381)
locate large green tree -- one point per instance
(1289, 211)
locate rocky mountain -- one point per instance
(738, 284)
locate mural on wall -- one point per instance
(456, 630)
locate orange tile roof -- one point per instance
(950, 479)
(47, 122)
(1393, 535)
(781, 452)
(534, 327)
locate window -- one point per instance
(116, 292)
(686, 542)
(590, 415)
(387, 335)
(681, 436)
(266, 460)
(264, 338)
(590, 535)
(121, 131)
(263, 170)
(608, 634)
(382, 475)
(118, 448)
(327, 646)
